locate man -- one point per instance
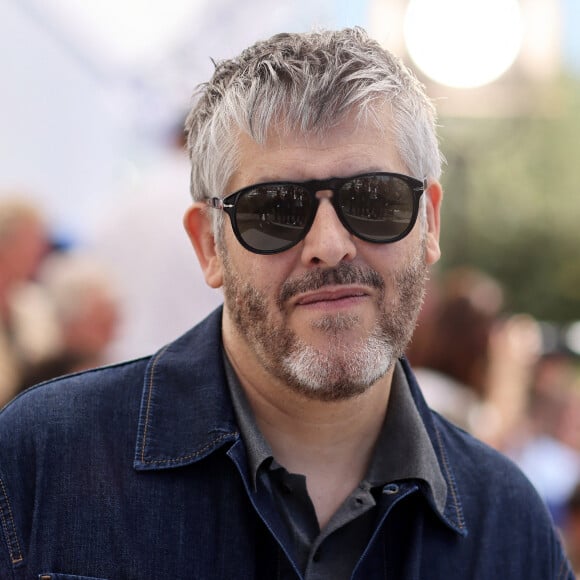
(285, 436)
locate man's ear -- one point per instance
(197, 223)
(434, 193)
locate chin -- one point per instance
(330, 375)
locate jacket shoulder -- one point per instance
(76, 398)
(475, 463)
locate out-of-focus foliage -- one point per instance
(512, 204)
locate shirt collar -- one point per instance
(257, 448)
(403, 451)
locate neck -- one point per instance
(331, 443)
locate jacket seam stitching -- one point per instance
(10, 528)
(189, 456)
(147, 421)
(148, 409)
(450, 478)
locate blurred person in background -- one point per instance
(450, 346)
(474, 363)
(547, 444)
(28, 333)
(487, 372)
(161, 290)
(83, 297)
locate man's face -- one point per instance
(328, 317)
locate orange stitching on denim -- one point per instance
(10, 532)
(191, 455)
(150, 386)
(450, 479)
(145, 428)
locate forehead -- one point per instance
(352, 146)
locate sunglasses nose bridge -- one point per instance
(323, 194)
(325, 199)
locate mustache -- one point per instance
(343, 274)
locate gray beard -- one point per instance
(346, 370)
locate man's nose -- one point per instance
(328, 242)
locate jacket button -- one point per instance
(391, 489)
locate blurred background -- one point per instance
(95, 266)
(93, 93)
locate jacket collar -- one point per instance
(187, 413)
(452, 512)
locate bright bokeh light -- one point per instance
(463, 43)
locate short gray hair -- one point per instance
(306, 83)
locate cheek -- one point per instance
(250, 279)
(395, 261)
(264, 273)
(267, 280)
(387, 259)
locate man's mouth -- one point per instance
(331, 296)
(341, 283)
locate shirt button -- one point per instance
(286, 489)
(391, 489)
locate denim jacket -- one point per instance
(138, 471)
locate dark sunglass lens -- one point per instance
(379, 207)
(271, 218)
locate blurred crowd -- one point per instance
(124, 291)
(128, 287)
(58, 308)
(504, 378)
(65, 309)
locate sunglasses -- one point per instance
(268, 218)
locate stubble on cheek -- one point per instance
(248, 308)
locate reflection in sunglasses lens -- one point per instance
(377, 208)
(272, 217)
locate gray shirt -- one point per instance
(403, 451)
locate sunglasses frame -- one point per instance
(334, 184)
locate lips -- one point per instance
(330, 285)
(330, 296)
